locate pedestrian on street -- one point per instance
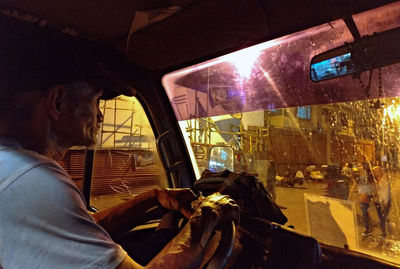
(271, 182)
(366, 190)
(383, 200)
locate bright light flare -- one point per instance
(245, 60)
(392, 112)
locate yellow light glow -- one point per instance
(392, 112)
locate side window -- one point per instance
(304, 112)
(126, 162)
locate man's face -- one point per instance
(83, 118)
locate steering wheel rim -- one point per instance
(225, 246)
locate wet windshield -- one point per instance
(328, 152)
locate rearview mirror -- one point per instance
(221, 158)
(369, 52)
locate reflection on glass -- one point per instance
(332, 68)
(255, 78)
(346, 155)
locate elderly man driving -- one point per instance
(50, 89)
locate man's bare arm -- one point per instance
(123, 217)
(119, 219)
(186, 250)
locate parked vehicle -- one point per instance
(289, 180)
(312, 173)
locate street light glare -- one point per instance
(392, 112)
(244, 60)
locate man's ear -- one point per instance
(56, 100)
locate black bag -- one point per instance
(246, 190)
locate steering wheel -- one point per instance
(225, 246)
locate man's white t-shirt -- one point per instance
(43, 218)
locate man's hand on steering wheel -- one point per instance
(177, 199)
(221, 206)
(186, 250)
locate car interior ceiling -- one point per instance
(242, 24)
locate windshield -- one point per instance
(328, 152)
